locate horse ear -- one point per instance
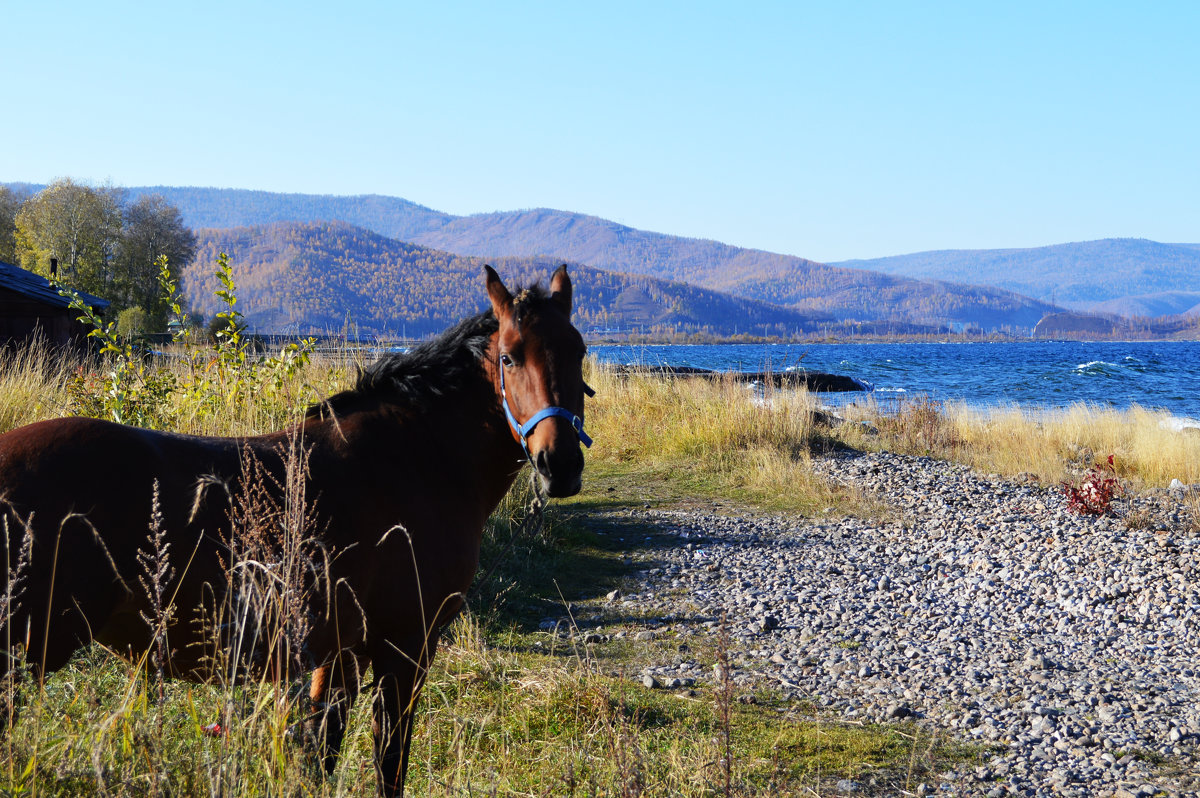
(560, 288)
(501, 298)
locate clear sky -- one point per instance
(828, 130)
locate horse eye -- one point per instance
(506, 361)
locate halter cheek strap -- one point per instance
(523, 430)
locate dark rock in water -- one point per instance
(814, 380)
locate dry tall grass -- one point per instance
(33, 384)
(1147, 449)
(1053, 444)
(39, 382)
(715, 438)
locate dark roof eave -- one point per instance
(39, 289)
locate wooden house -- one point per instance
(31, 308)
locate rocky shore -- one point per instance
(1067, 648)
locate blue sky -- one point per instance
(825, 130)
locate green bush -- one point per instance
(132, 322)
(216, 377)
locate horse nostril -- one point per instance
(542, 462)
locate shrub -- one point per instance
(224, 375)
(1093, 494)
(131, 322)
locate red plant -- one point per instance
(1093, 494)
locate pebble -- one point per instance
(978, 605)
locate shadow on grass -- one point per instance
(579, 554)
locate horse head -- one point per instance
(539, 378)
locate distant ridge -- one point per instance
(1079, 275)
(1167, 303)
(988, 288)
(226, 207)
(810, 288)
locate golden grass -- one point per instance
(32, 384)
(36, 384)
(711, 438)
(649, 416)
(1054, 445)
(260, 412)
(1146, 449)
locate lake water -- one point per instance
(1034, 374)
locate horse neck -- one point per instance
(461, 439)
(488, 458)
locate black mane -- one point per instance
(429, 370)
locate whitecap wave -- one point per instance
(1179, 423)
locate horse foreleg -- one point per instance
(334, 688)
(398, 681)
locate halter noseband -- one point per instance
(523, 430)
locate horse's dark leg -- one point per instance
(334, 688)
(70, 589)
(31, 646)
(397, 685)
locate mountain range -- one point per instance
(656, 280)
(1123, 276)
(816, 290)
(334, 277)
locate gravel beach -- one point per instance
(983, 607)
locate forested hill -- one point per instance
(235, 207)
(332, 276)
(849, 294)
(1077, 275)
(844, 293)
(226, 207)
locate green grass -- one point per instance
(518, 724)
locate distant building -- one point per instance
(31, 308)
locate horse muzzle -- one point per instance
(559, 461)
(560, 468)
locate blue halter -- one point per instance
(523, 430)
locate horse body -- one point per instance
(401, 474)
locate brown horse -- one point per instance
(402, 471)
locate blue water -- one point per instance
(1034, 374)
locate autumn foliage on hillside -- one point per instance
(332, 276)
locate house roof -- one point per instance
(38, 288)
